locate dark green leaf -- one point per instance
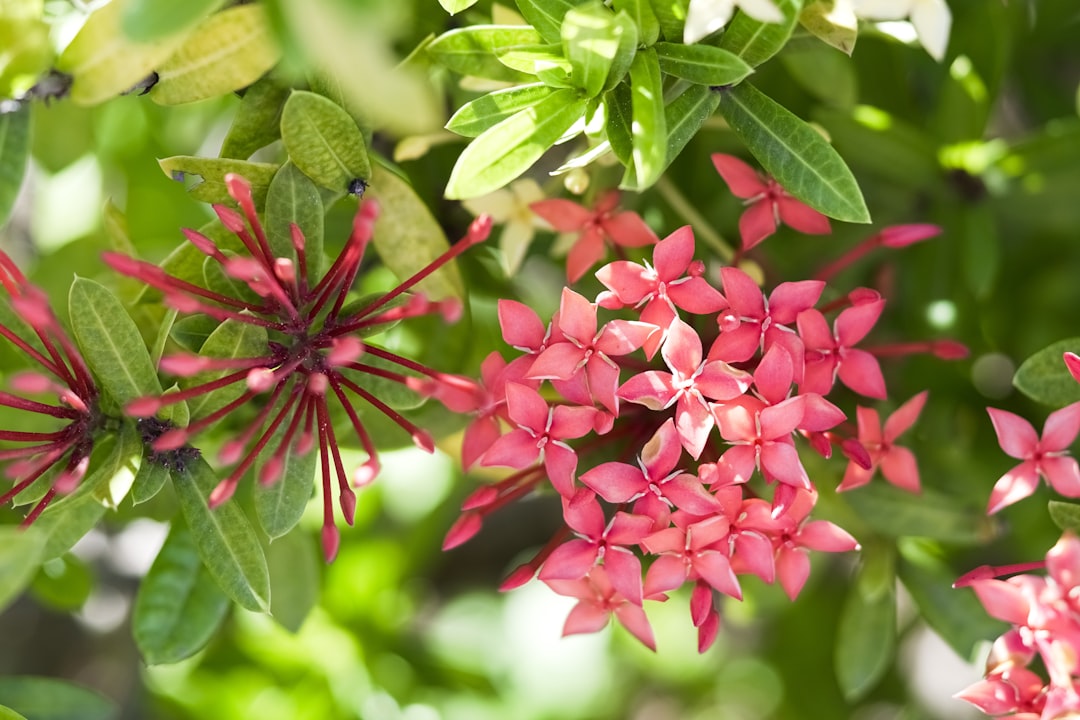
(324, 141)
(702, 64)
(546, 16)
(257, 122)
(649, 127)
(224, 538)
(281, 504)
(794, 153)
(866, 639)
(485, 112)
(294, 579)
(685, 115)
(14, 149)
(755, 41)
(40, 698)
(212, 171)
(1044, 378)
(21, 552)
(619, 120)
(293, 198)
(145, 20)
(507, 150)
(897, 513)
(590, 41)
(472, 50)
(192, 331)
(110, 342)
(1065, 515)
(231, 339)
(641, 13)
(179, 605)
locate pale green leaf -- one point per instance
(224, 538)
(212, 171)
(800, 159)
(294, 199)
(294, 579)
(507, 150)
(833, 23)
(14, 150)
(21, 552)
(324, 141)
(257, 122)
(590, 41)
(649, 127)
(455, 6)
(755, 41)
(472, 50)
(41, 698)
(231, 339)
(110, 342)
(485, 112)
(866, 640)
(546, 62)
(641, 13)
(702, 64)
(145, 20)
(546, 16)
(179, 605)
(1044, 378)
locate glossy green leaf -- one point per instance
(14, 151)
(472, 50)
(257, 122)
(231, 339)
(280, 505)
(455, 6)
(649, 126)
(619, 121)
(212, 171)
(63, 583)
(883, 144)
(485, 112)
(227, 51)
(145, 20)
(671, 15)
(224, 538)
(324, 141)
(755, 41)
(103, 62)
(110, 342)
(408, 237)
(954, 613)
(866, 639)
(897, 513)
(179, 605)
(41, 698)
(836, 26)
(546, 16)
(685, 115)
(1065, 515)
(702, 64)
(1044, 378)
(590, 41)
(21, 552)
(546, 62)
(794, 153)
(625, 52)
(7, 713)
(643, 17)
(148, 481)
(294, 578)
(294, 199)
(507, 150)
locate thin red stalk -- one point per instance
(381, 407)
(847, 258)
(376, 371)
(20, 403)
(64, 443)
(324, 423)
(18, 342)
(253, 453)
(264, 412)
(170, 398)
(223, 314)
(357, 322)
(402, 361)
(896, 349)
(358, 426)
(39, 508)
(24, 436)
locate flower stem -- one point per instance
(702, 227)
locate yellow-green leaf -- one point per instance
(649, 126)
(834, 25)
(257, 122)
(324, 141)
(473, 118)
(472, 50)
(212, 171)
(145, 20)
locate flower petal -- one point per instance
(860, 371)
(802, 217)
(521, 327)
(757, 223)
(629, 230)
(742, 179)
(1014, 485)
(616, 482)
(1015, 435)
(905, 416)
(899, 468)
(570, 561)
(563, 215)
(1061, 428)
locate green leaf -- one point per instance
(685, 115)
(24, 35)
(897, 513)
(507, 150)
(232, 339)
(294, 199)
(1065, 515)
(179, 606)
(21, 552)
(40, 698)
(63, 583)
(103, 62)
(546, 62)
(408, 238)
(228, 51)
(619, 121)
(110, 342)
(590, 41)
(224, 538)
(191, 332)
(794, 153)
(294, 579)
(148, 481)
(954, 614)
(212, 171)
(701, 64)
(755, 41)
(836, 27)
(472, 50)
(546, 16)
(280, 505)
(257, 122)
(643, 17)
(145, 20)
(671, 14)
(7, 713)
(1044, 378)
(485, 112)
(324, 141)
(866, 639)
(455, 6)
(649, 127)
(14, 150)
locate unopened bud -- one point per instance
(331, 540)
(347, 500)
(232, 220)
(521, 575)
(143, 407)
(900, 236)
(463, 529)
(260, 379)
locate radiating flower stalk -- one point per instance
(666, 411)
(65, 453)
(314, 355)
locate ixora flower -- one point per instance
(37, 333)
(312, 354)
(897, 463)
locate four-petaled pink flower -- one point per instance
(768, 203)
(761, 438)
(598, 600)
(1047, 456)
(831, 353)
(897, 463)
(602, 223)
(691, 551)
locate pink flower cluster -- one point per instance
(669, 432)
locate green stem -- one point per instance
(701, 226)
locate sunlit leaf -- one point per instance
(1065, 515)
(755, 41)
(40, 698)
(324, 141)
(794, 153)
(21, 552)
(546, 15)
(832, 22)
(179, 605)
(455, 6)
(649, 126)
(590, 41)
(7, 713)
(866, 639)
(671, 14)
(212, 188)
(485, 112)
(507, 150)
(702, 64)
(14, 150)
(145, 20)
(224, 538)
(641, 13)
(294, 579)
(472, 50)
(1044, 378)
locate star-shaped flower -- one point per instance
(1046, 457)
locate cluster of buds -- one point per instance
(699, 393)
